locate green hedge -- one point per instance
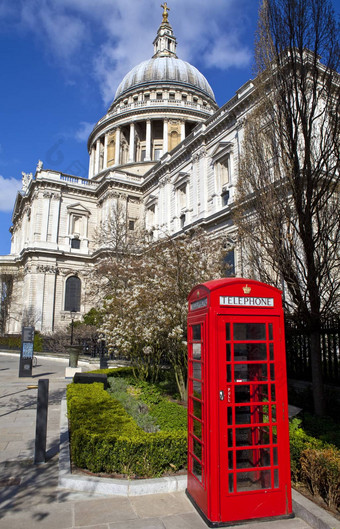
(104, 438)
(316, 464)
(10, 342)
(14, 342)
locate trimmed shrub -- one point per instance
(115, 372)
(38, 343)
(299, 441)
(320, 470)
(10, 342)
(315, 464)
(104, 438)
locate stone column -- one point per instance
(105, 151)
(90, 165)
(165, 136)
(93, 157)
(148, 141)
(117, 146)
(96, 169)
(132, 143)
(183, 130)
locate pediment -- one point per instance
(221, 150)
(181, 178)
(77, 207)
(150, 201)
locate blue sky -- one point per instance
(62, 60)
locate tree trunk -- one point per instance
(181, 385)
(317, 383)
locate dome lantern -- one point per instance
(165, 42)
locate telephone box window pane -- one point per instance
(196, 351)
(275, 460)
(230, 416)
(230, 438)
(250, 372)
(196, 332)
(271, 351)
(197, 411)
(231, 483)
(197, 389)
(251, 393)
(276, 479)
(274, 433)
(273, 393)
(228, 352)
(197, 449)
(197, 429)
(259, 435)
(197, 470)
(270, 329)
(251, 414)
(259, 457)
(249, 331)
(197, 370)
(229, 374)
(272, 373)
(258, 480)
(227, 331)
(230, 461)
(273, 413)
(247, 352)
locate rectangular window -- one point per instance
(131, 225)
(157, 154)
(225, 198)
(75, 243)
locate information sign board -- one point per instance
(26, 353)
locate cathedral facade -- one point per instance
(164, 150)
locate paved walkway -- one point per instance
(29, 494)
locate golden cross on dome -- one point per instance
(165, 12)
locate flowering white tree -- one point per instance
(146, 311)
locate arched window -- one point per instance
(72, 294)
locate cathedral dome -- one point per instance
(165, 70)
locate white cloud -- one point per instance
(83, 131)
(106, 38)
(9, 188)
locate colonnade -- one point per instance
(137, 141)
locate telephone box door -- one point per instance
(254, 443)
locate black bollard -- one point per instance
(41, 422)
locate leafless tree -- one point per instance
(6, 289)
(288, 211)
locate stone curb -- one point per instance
(62, 359)
(108, 486)
(311, 513)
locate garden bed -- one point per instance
(105, 439)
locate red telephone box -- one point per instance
(238, 453)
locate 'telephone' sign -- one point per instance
(240, 301)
